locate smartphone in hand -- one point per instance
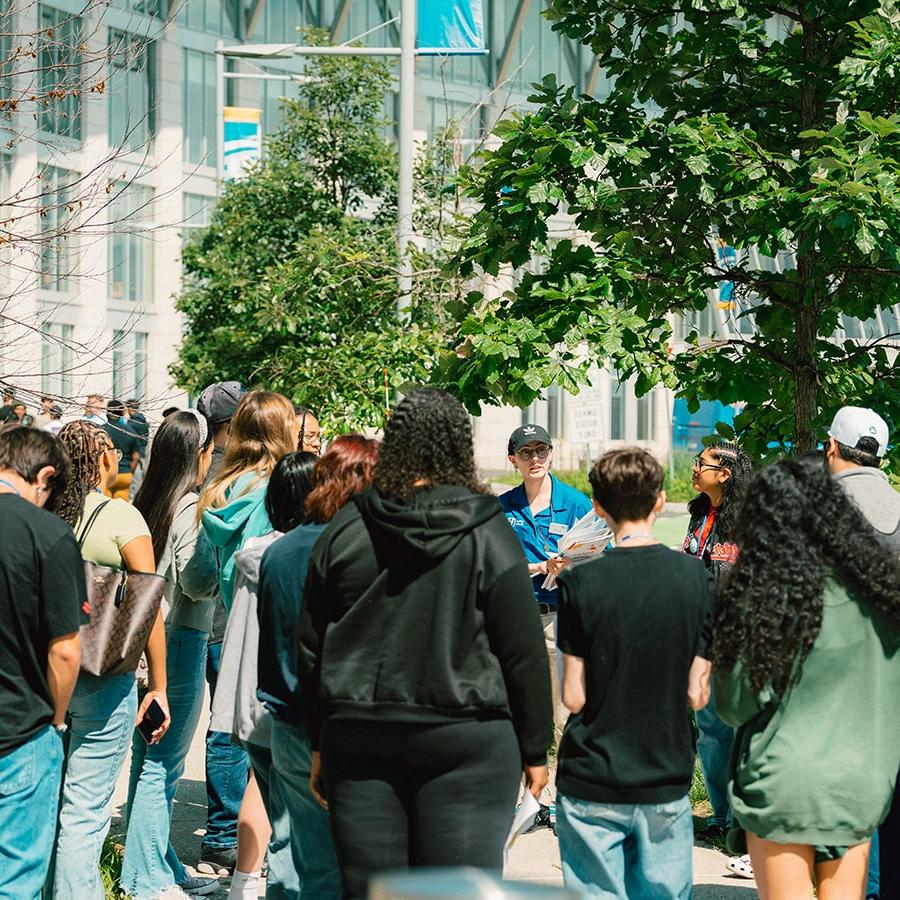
(153, 718)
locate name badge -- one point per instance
(558, 528)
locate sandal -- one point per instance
(740, 866)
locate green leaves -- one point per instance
(773, 133)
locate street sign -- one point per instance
(586, 424)
(241, 140)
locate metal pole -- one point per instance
(406, 149)
(220, 114)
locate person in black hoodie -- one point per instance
(422, 658)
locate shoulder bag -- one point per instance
(124, 606)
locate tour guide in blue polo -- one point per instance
(541, 510)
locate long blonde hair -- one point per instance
(262, 431)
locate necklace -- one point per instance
(11, 486)
(635, 535)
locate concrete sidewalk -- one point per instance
(533, 858)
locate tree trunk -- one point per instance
(806, 381)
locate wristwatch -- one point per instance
(61, 729)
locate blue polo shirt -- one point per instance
(539, 535)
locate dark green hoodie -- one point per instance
(423, 612)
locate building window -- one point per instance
(199, 108)
(646, 417)
(130, 248)
(130, 90)
(211, 16)
(616, 408)
(56, 359)
(57, 208)
(281, 19)
(196, 210)
(129, 364)
(59, 71)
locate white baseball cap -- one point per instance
(854, 422)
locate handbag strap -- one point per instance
(90, 524)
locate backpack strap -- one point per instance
(90, 524)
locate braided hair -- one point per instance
(734, 457)
(796, 529)
(427, 441)
(84, 443)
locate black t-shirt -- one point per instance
(636, 616)
(42, 596)
(123, 439)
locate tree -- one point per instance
(294, 284)
(769, 126)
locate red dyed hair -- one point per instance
(345, 469)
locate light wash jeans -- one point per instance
(101, 717)
(150, 864)
(714, 745)
(30, 777)
(312, 848)
(626, 851)
(282, 882)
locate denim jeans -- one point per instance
(625, 851)
(873, 876)
(311, 845)
(714, 747)
(150, 865)
(101, 716)
(30, 777)
(282, 881)
(227, 768)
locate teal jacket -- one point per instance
(229, 527)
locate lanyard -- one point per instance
(11, 486)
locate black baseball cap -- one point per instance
(527, 434)
(219, 401)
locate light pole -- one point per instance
(406, 152)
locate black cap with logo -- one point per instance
(527, 434)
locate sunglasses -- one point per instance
(540, 452)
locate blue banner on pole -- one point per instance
(451, 27)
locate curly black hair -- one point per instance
(726, 453)
(796, 529)
(427, 441)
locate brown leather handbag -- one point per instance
(124, 606)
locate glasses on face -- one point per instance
(526, 453)
(699, 464)
(111, 449)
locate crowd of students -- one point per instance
(386, 667)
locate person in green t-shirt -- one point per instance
(806, 662)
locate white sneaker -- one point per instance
(173, 893)
(740, 866)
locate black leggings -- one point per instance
(404, 795)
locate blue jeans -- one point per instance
(282, 882)
(311, 845)
(622, 850)
(873, 876)
(30, 777)
(101, 717)
(227, 768)
(714, 747)
(150, 865)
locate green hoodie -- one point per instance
(817, 766)
(230, 526)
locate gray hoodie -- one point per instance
(235, 709)
(871, 491)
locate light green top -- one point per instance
(818, 766)
(118, 524)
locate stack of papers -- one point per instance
(585, 540)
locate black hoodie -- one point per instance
(424, 612)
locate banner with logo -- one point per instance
(242, 141)
(451, 27)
